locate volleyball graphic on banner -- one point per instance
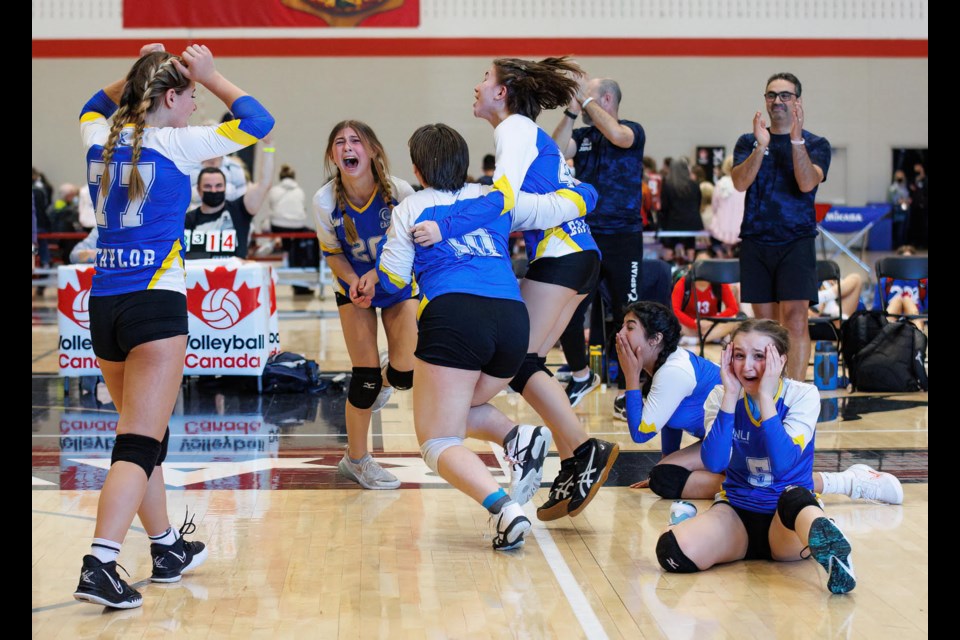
(81, 308)
(221, 308)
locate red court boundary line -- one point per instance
(436, 47)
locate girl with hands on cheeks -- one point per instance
(761, 434)
(680, 381)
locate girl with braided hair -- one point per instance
(353, 212)
(138, 173)
(564, 266)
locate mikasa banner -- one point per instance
(231, 308)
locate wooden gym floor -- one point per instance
(297, 552)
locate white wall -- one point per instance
(554, 18)
(869, 106)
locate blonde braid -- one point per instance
(338, 192)
(137, 189)
(109, 148)
(383, 181)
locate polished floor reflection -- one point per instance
(298, 552)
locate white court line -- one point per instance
(819, 430)
(408, 435)
(589, 621)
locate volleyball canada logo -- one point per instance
(222, 306)
(75, 303)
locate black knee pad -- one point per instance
(140, 450)
(792, 501)
(531, 364)
(671, 556)
(365, 385)
(399, 380)
(668, 480)
(163, 446)
(542, 363)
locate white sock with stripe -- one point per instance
(105, 550)
(166, 538)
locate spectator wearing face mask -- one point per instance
(219, 213)
(898, 195)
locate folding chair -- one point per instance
(854, 220)
(901, 268)
(828, 327)
(713, 271)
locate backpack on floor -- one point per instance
(893, 361)
(856, 333)
(287, 372)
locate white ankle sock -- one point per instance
(166, 538)
(511, 510)
(840, 483)
(585, 377)
(105, 550)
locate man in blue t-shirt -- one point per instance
(607, 153)
(780, 168)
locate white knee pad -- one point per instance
(431, 450)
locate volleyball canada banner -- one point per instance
(231, 312)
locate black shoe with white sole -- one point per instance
(560, 492)
(594, 460)
(577, 390)
(100, 584)
(170, 561)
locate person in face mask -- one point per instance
(898, 195)
(216, 213)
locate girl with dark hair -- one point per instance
(679, 383)
(473, 324)
(138, 169)
(564, 265)
(353, 212)
(762, 431)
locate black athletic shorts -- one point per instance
(758, 532)
(464, 331)
(578, 271)
(120, 323)
(771, 273)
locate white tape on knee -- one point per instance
(431, 450)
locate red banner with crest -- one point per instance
(271, 13)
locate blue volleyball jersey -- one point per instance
(140, 244)
(620, 171)
(775, 210)
(358, 233)
(678, 391)
(761, 459)
(477, 263)
(527, 160)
